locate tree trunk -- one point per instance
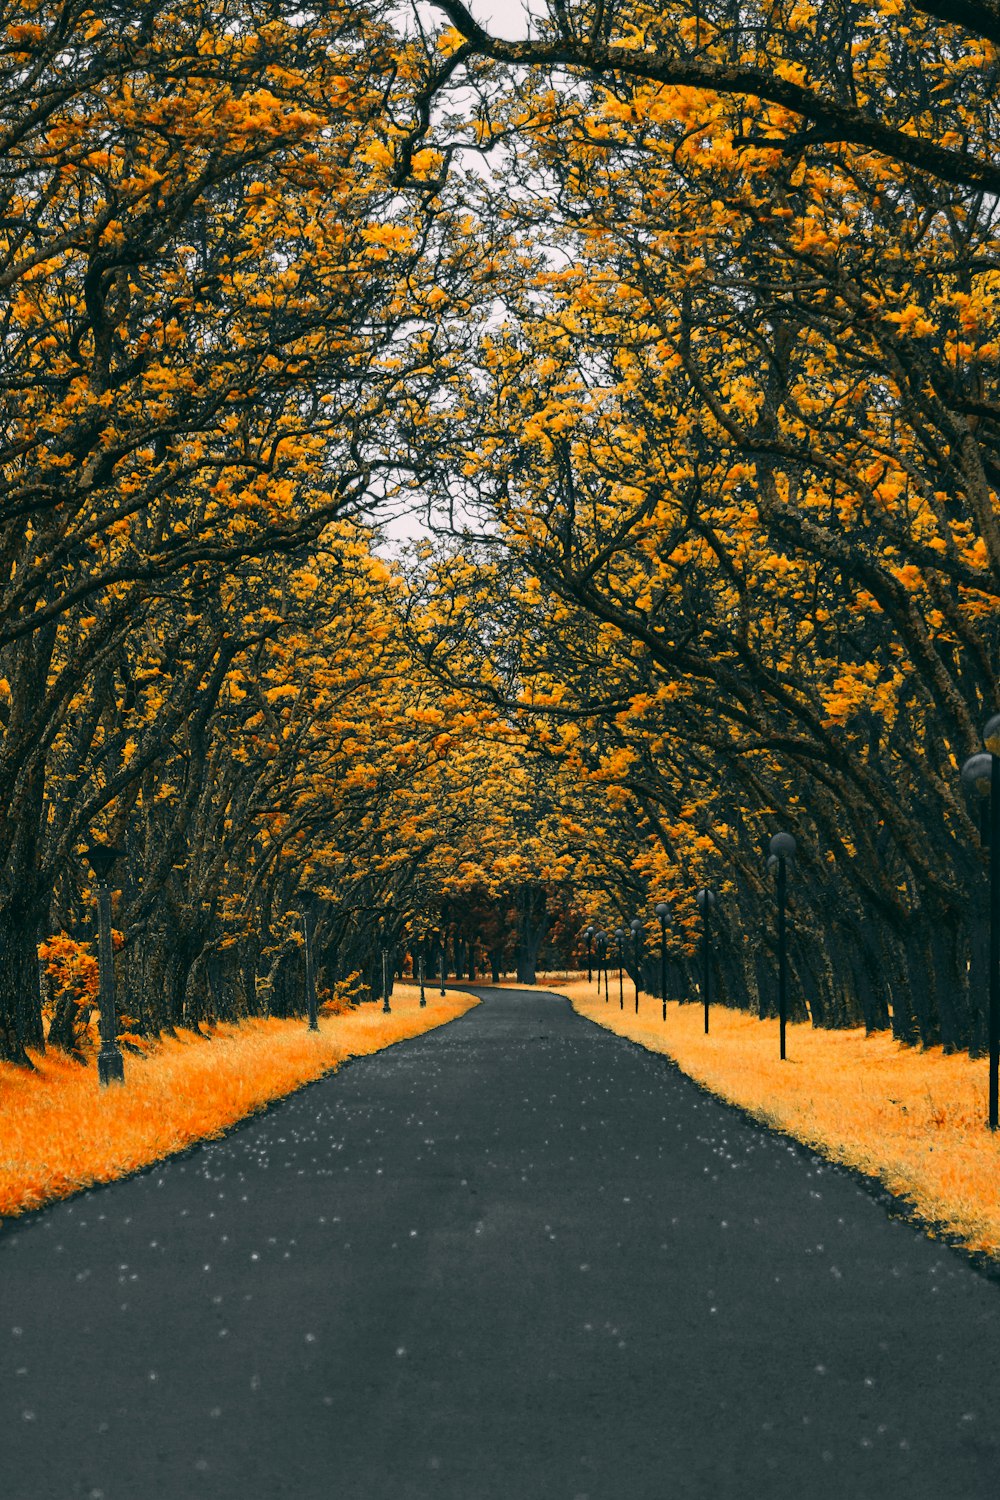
(182, 952)
(904, 1025)
(871, 977)
(767, 984)
(20, 995)
(978, 984)
(948, 987)
(532, 925)
(249, 963)
(920, 974)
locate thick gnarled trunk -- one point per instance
(532, 925)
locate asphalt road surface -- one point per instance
(514, 1259)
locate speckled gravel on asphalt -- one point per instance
(516, 1258)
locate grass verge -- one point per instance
(60, 1132)
(913, 1119)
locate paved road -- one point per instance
(515, 1259)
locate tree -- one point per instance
(214, 291)
(827, 66)
(755, 400)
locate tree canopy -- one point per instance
(677, 324)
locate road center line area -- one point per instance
(516, 1258)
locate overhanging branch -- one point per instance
(835, 121)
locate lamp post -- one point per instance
(981, 773)
(662, 910)
(589, 935)
(307, 906)
(420, 971)
(110, 1063)
(706, 904)
(620, 940)
(383, 944)
(601, 944)
(443, 962)
(635, 927)
(782, 849)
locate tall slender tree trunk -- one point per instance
(947, 954)
(22, 902)
(767, 985)
(866, 966)
(904, 1023)
(978, 983)
(20, 994)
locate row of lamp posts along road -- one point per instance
(110, 1063)
(781, 850)
(980, 777)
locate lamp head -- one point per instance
(977, 774)
(619, 933)
(783, 844)
(662, 910)
(101, 858)
(705, 899)
(635, 926)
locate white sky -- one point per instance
(507, 18)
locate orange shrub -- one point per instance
(73, 980)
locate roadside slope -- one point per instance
(60, 1132)
(914, 1119)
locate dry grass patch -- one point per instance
(913, 1119)
(59, 1132)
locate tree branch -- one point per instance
(836, 122)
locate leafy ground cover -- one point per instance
(913, 1118)
(59, 1132)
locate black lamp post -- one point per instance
(662, 910)
(589, 935)
(110, 1063)
(444, 959)
(420, 970)
(620, 940)
(981, 773)
(706, 903)
(383, 943)
(635, 927)
(782, 849)
(601, 944)
(307, 906)
(977, 779)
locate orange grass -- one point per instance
(59, 1132)
(913, 1119)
